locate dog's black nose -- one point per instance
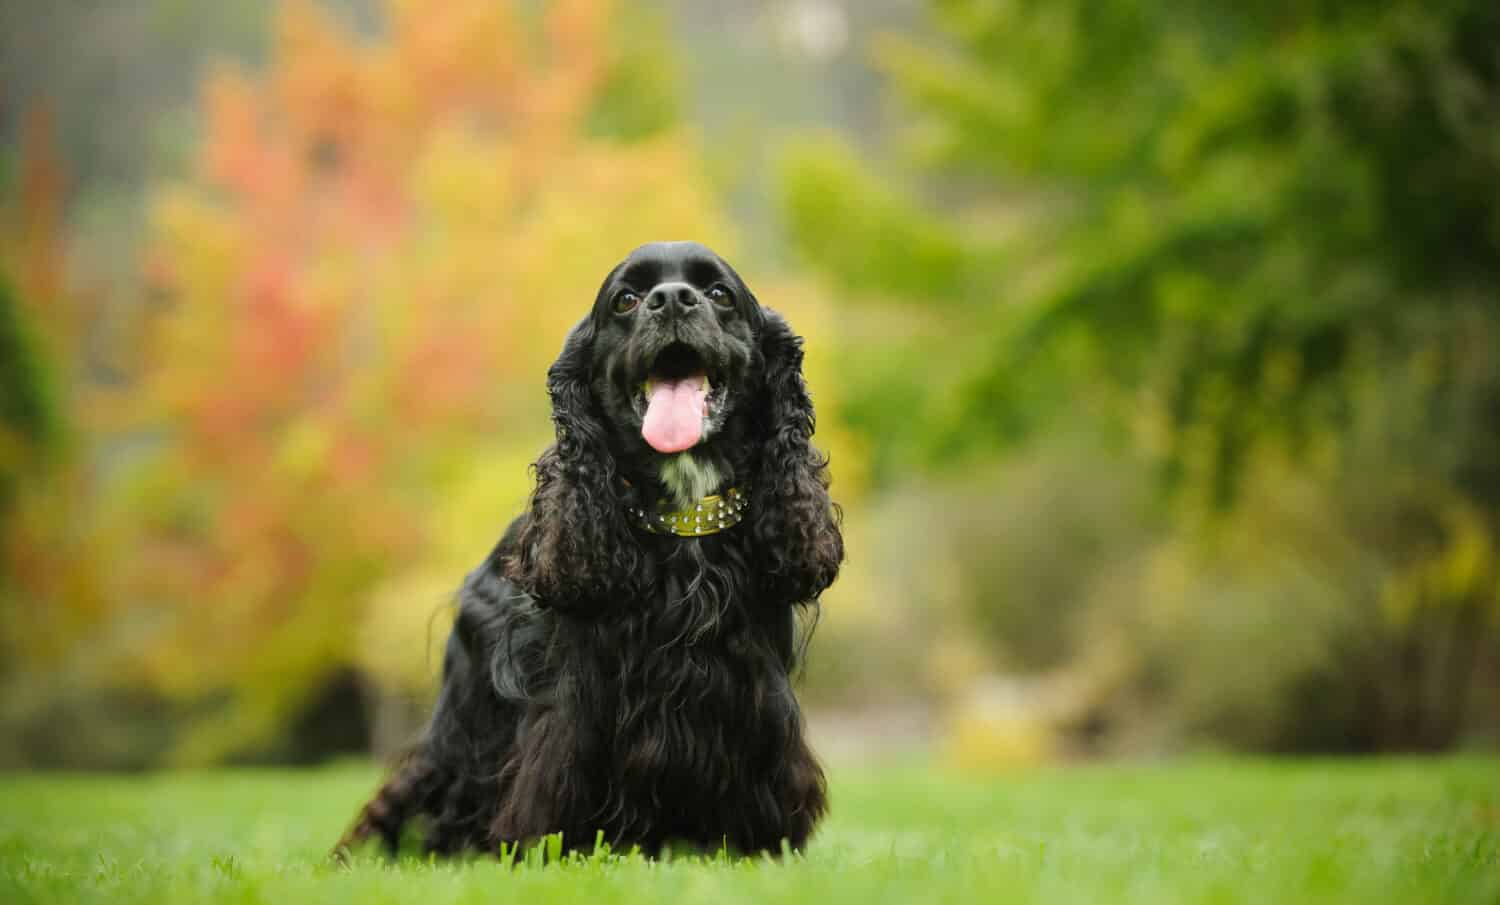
(672, 296)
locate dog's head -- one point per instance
(675, 385)
(673, 358)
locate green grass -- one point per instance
(1406, 832)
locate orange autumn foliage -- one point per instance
(357, 297)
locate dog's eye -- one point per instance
(626, 301)
(719, 294)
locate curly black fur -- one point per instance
(600, 678)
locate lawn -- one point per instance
(1404, 831)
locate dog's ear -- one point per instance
(795, 523)
(575, 548)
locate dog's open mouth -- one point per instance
(677, 399)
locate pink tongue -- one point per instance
(674, 414)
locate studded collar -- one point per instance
(710, 515)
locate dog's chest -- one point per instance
(701, 696)
(697, 650)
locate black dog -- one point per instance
(621, 663)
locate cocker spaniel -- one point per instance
(621, 663)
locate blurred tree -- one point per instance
(356, 299)
(29, 434)
(31, 410)
(50, 602)
(117, 74)
(1222, 205)
(28, 415)
(1225, 230)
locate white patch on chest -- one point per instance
(687, 479)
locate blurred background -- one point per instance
(1156, 345)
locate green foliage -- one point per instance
(640, 96)
(1219, 203)
(30, 434)
(869, 237)
(1258, 242)
(1371, 832)
(30, 422)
